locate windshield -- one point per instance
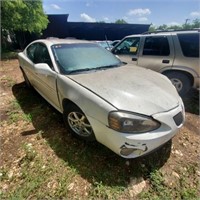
(83, 57)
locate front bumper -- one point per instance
(135, 145)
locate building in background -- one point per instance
(60, 27)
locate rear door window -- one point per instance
(41, 55)
(156, 46)
(189, 44)
(31, 51)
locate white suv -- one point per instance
(174, 54)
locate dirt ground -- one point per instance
(185, 145)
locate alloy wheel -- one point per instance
(79, 124)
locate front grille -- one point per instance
(178, 119)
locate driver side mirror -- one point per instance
(42, 68)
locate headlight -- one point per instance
(131, 123)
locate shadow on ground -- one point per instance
(92, 161)
(191, 101)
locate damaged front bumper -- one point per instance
(135, 145)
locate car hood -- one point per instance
(131, 88)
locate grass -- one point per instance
(41, 178)
(182, 189)
(6, 55)
(6, 80)
(15, 114)
(157, 190)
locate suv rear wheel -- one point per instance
(180, 80)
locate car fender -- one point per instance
(184, 69)
(89, 102)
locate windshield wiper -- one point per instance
(108, 66)
(79, 70)
(94, 69)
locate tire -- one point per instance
(28, 84)
(77, 123)
(181, 82)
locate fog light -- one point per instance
(126, 151)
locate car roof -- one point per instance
(164, 33)
(52, 41)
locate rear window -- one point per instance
(189, 44)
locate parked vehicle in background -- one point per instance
(102, 98)
(174, 54)
(105, 44)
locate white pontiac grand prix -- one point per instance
(128, 109)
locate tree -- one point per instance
(162, 27)
(120, 21)
(22, 15)
(152, 28)
(174, 27)
(194, 24)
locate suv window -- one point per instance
(128, 46)
(189, 44)
(156, 46)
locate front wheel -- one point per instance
(77, 123)
(181, 82)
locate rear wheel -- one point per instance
(181, 81)
(26, 79)
(77, 123)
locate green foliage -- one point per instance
(6, 55)
(22, 15)
(120, 21)
(194, 24)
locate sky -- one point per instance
(155, 12)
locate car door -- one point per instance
(156, 52)
(26, 62)
(45, 84)
(128, 49)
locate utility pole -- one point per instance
(186, 21)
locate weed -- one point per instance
(189, 193)
(30, 152)
(100, 191)
(14, 114)
(3, 174)
(13, 117)
(15, 104)
(8, 55)
(158, 189)
(7, 81)
(27, 117)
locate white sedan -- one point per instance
(128, 109)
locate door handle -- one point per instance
(165, 61)
(134, 59)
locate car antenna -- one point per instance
(107, 41)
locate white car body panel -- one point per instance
(146, 142)
(127, 88)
